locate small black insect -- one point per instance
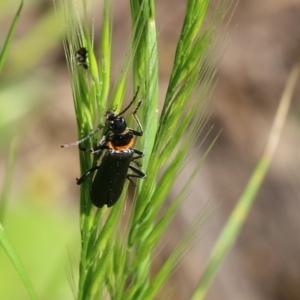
(111, 174)
(81, 56)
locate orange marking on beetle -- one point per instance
(120, 148)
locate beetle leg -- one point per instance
(101, 146)
(86, 175)
(136, 162)
(140, 154)
(138, 173)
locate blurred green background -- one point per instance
(41, 219)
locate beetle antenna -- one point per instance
(83, 139)
(134, 97)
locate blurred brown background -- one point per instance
(262, 44)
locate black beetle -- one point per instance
(112, 172)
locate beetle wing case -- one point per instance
(109, 180)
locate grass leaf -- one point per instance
(118, 243)
(9, 36)
(237, 218)
(11, 253)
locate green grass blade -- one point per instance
(11, 253)
(237, 218)
(9, 36)
(196, 11)
(8, 179)
(179, 252)
(145, 75)
(145, 70)
(105, 55)
(116, 260)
